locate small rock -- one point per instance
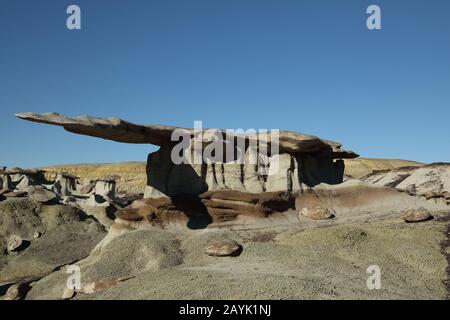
(40, 194)
(223, 248)
(317, 213)
(14, 242)
(36, 235)
(417, 215)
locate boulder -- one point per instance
(417, 215)
(317, 213)
(223, 248)
(40, 194)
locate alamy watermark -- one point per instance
(236, 146)
(74, 280)
(374, 20)
(73, 21)
(374, 280)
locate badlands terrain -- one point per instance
(286, 256)
(131, 176)
(305, 220)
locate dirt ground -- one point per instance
(306, 260)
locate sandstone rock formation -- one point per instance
(41, 194)
(431, 182)
(361, 167)
(66, 235)
(96, 197)
(130, 177)
(303, 159)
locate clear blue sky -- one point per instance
(309, 66)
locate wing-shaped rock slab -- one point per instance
(122, 131)
(107, 128)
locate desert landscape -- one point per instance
(158, 230)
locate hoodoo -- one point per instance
(302, 159)
(261, 176)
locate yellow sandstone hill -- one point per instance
(359, 167)
(131, 177)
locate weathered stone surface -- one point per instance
(100, 208)
(281, 175)
(202, 210)
(165, 179)
(20, 179)
(105, 188)
(17, 291)
(102, 284)
(253, 175)
(65, 184)
(15, 194)
(431, 181)
(317, 213)
(107, 128)
(227, 205)
(41, 194)
(68, 294)
(122, 131)
(223, 248)
(417, 215)
(303, 159)
(68, 235)
(14, 242)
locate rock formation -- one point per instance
(95, 197)
(304, 160)
(430, 182)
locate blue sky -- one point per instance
(309, 66)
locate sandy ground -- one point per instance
(305, 260)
